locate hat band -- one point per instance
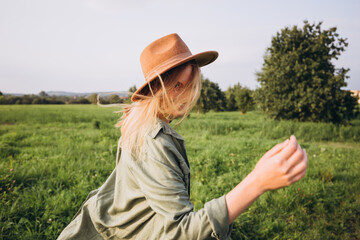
(168, 62)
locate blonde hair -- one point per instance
(139, 117)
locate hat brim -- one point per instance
(202, 59)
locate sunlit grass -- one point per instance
(51, 156)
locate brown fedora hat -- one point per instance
(166, 53)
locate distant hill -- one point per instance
(15, 94)
(71, 94)
(62, 93)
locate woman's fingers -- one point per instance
(275, 149)
(299, 170)
(289, 150)
(297, 177)
(295, 158)
(282, 165)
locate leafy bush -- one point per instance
(211, 97)
(239, 98)
(298, 79)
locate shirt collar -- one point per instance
(167, 129)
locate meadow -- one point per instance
(52, 156)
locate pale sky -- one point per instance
(95, 45)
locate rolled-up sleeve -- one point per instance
(162, 180)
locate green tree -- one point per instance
(239, 98)
(43, 94)
(230, 99)
(27, 99)
(93, 98)
(78, 100)
(36, 101)
(132, 89)
(298, 79)
(244, 100)
(114, 98)
(211, 97)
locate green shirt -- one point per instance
(149, 198)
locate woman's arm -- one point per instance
(162, 179)
(281, 166)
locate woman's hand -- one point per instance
(281, 166)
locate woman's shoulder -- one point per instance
(164, 139)
(162, 129)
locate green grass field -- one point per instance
(52, 156)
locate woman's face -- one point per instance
(182, 82)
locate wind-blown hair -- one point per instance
(139, 117)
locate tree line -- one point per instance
(236, 98)
(44, 98)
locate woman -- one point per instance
(147, 196)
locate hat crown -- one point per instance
(162, 52)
